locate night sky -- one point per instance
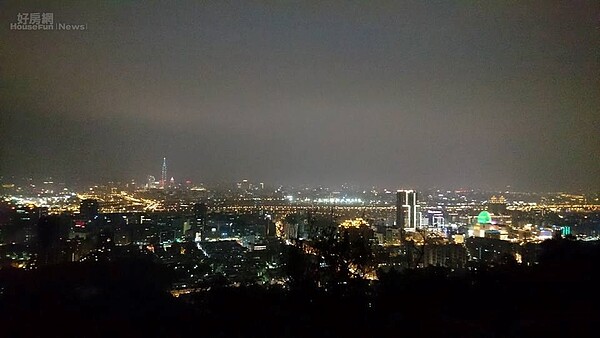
(407, 94)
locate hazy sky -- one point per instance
(395, 94)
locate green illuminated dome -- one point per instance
(484, 217)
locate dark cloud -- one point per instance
(381, 93)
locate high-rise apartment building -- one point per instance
(407, 217)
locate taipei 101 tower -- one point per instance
(163, 176)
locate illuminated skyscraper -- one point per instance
(406, 210)
(163, 176)
(200, 216)
(151, 182)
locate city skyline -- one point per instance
(383, 94)
(155, 178)
(336, 168)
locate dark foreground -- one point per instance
(130, 298)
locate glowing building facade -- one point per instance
(163, 174)
(407, 217)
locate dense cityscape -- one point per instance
(299, 168)
(251, 234)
